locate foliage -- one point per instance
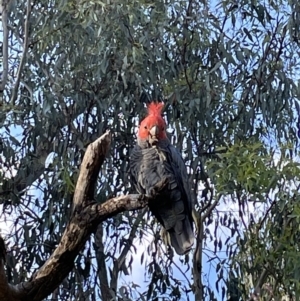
(229, 76)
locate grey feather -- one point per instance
(173, 205)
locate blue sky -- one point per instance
(209, 275)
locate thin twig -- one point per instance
(211, 208)
(130, 239)
(121, 259)
(197, 262)
(102, 271)
(4, 45)
(25, 48)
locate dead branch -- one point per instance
(121, 259)
(89, 170)
(101, 264)
(25, 49)
(197, 260)
(86, 216)
(4, 13)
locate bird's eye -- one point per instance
(145, 127)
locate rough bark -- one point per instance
(102, 272)
(85, 218)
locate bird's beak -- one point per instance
(153, 134)
(154, 131)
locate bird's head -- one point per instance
(153, 127)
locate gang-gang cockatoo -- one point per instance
(155, 160)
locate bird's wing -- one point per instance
(180, 172)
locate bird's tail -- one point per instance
(181, 237)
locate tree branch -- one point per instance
(36, 168)
(102, 271)
(86, 216)
(90, 166)
(25, 49)
(197, 261)
(199, 219)
(121, 259)
(4, 13)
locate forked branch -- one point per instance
(85, 217)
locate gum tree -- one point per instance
(228, 74)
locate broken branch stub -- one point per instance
(89, 170)
(85, 217)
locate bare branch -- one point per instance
(121, 259)
(212, 206)
(89, 170)
(197, 262)
(4, 12)
(25, 49)
(37, 158)
(83, 222)
(130, 239)
(199, 219)
(82, 225)
(102, 272)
